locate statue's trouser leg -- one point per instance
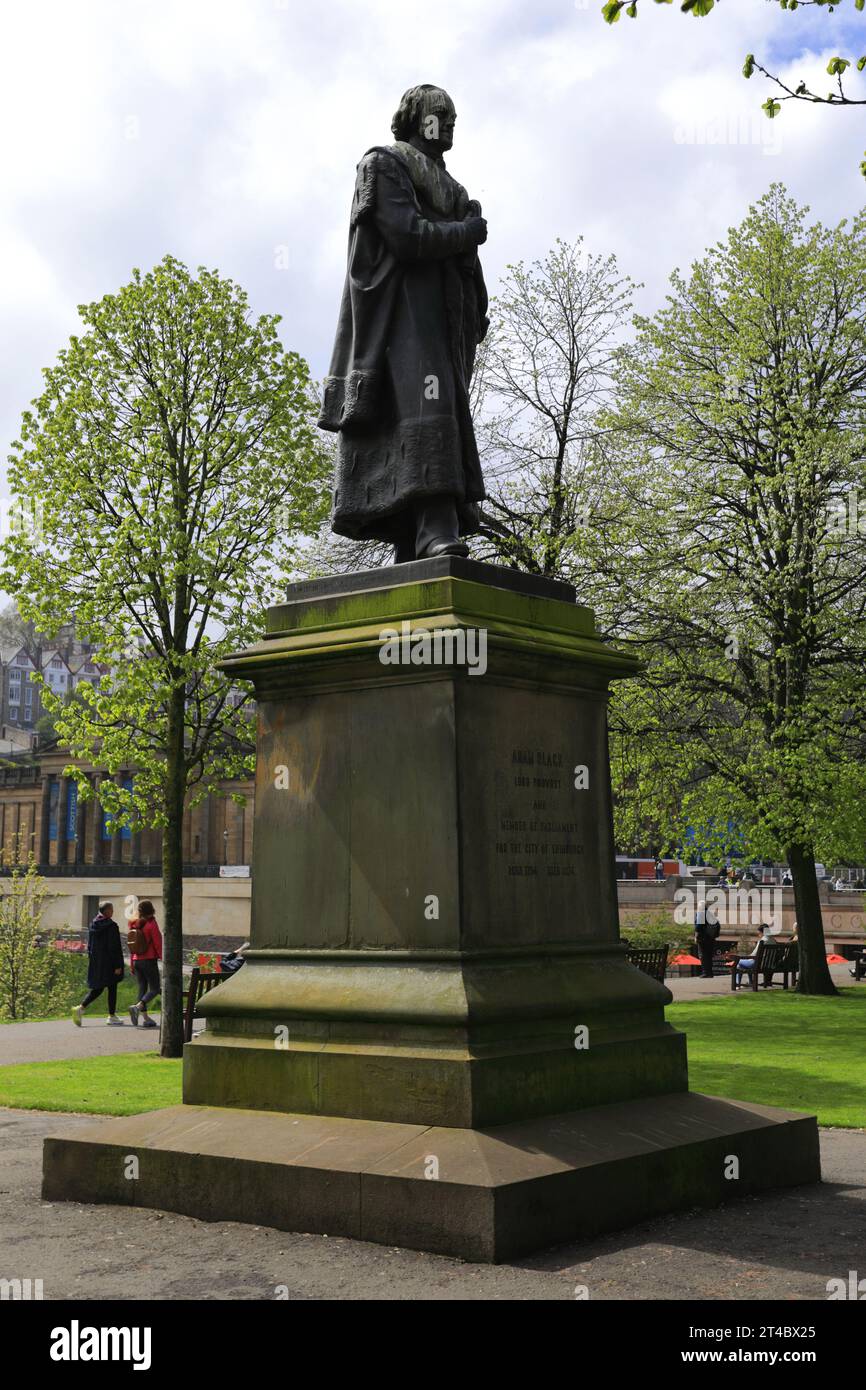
(436, 525)
(404, 551)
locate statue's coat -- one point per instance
(412, 314)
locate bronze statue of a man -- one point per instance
(413, 312)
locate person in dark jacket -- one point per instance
(706, 933)
(105, 965)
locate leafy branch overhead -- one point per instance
(836, 68)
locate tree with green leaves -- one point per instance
(25, 963)
(651, 930)
(738, 545)
(714, 523)
(174, 465)
(15, 632)
(838, 66)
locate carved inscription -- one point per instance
(540, 838)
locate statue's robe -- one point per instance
(413, 312)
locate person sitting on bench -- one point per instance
(746, 964)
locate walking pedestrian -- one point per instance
(145, 952)
(104, 965)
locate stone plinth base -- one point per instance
(437, 1040)
(483, 1195)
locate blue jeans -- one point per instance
(742, 967)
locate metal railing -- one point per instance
(27, 776)
(116, 870)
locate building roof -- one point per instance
(9, 653)
(53, 654)
(86, 663)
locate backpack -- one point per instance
(136, 939)
(712, 928)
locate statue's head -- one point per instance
(426, 116)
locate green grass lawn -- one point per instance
(780, 1048)
(775, 1048)
(121, 1085)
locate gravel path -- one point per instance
(58, 1040)
(784, 1246)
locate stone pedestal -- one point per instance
(436, 979)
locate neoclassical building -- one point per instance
(86, 860)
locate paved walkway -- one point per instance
(60, 1039)
(693, 987)
(774, 1247)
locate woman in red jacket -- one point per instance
(145, 942)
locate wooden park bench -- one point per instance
(200, 982)
(652, 960)
(770, 959)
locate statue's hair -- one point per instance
(408, 114)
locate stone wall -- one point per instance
(217, 910)
(844, 914)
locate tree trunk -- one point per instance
(814, 972)
(172, 882)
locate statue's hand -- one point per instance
(477, 229)
(473, 208)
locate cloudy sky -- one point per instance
(227, 132)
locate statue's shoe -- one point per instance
(443, 548)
